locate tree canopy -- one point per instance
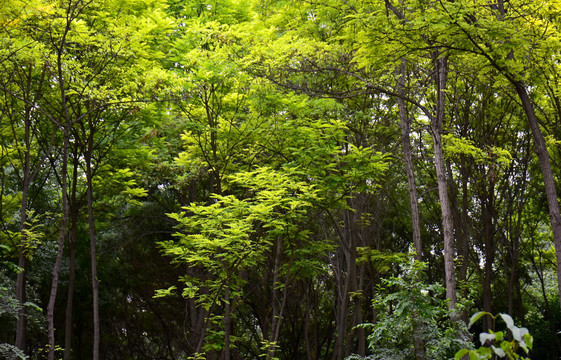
(280, 179)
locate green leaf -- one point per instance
(164, 292)
(477, 316)
(474, 356)
(529, 341)
(499, 335)
(460, 354)
(485, 352)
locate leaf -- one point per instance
(190, 291)
(518, 333)
(529, 341)
(500, 352)
(477, 316)
(484, 353)
(473, 355)
(508, 320)
(164, 292)
(499, 336)
(460, 354)
(484, 337)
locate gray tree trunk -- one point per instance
(405, 125)
(92, 235)
(447, 225)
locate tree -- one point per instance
(473, 28)
(69, 34)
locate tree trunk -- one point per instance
(28, 177)
(461, 221)
(515, 298)
(487, 235)
(22, 263)
(92, 235)
(21, 299)
(72, 265)
(227, 322)
(346, 270)
(448, 228)
(277, 310)
(58, 261)
(65, 124)
(405, 125)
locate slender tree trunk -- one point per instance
(309, 346)
(28, 177)
(227, 322)
(21, 299)
(515, 305)
(209, 102)
(487, 235)
(66, 125)
(340, 309)
(405, 125)
(354, 307)
(72, 265)
(458, 216)
(277, 309)
(346, 267)
(463, 246)
(22, 263)
(58, 261)
(447, 225)
(92, 235)
(461, 227)
(358, 314)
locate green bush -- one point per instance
(497, 343)
(412, 313)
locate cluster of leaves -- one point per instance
(233, 234)
(496, 342)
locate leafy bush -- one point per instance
(496, 343)
(412, 313)
(8, 351)
(8, 314)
